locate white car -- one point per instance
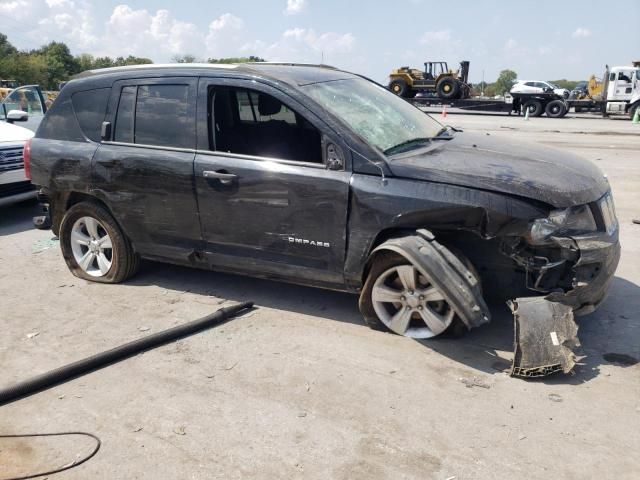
(14, 185)
(538, 86)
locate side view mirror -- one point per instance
(17, 116)
(334, 157)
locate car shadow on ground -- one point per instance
(18, 217)
(613, 329)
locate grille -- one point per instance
(11, 159)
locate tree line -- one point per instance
(53, 63)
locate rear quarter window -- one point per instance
(60, 122)
(90, 107)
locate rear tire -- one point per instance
(534, 107)
(555, 109)
(448, 88)
(93, 245)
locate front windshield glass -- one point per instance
(380, 117)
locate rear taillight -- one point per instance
(26, 156)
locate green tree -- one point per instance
(6, 48)
(186, 58)
(61, 64)
(505, 81)
(251, 58)
(564, 83)
(131, 60)
(103, 62)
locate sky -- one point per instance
(541, 40)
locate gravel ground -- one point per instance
(300, 388)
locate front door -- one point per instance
(144, 171)
(268, 204)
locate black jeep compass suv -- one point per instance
(317, 176)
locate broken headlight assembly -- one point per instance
(573, 220)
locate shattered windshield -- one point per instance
(381, 118)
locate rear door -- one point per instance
(144, 169)
(268, 203)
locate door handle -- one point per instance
(225, 178)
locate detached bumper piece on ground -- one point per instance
(544, 335)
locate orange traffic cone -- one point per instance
(444, 111)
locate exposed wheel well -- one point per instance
(65, 201)
(498, 274)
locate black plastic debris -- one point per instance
(545, 335)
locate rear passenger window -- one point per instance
(161, 116)
(90, 107)
(155, 115)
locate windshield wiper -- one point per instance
(446, 129)
(407, 145)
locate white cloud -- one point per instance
(141, 33)
(224, 35)
(303, 45)
(16, 9)
(159, 34)
(59, 3)
(581, 32)
(439, 36)
(511, 45)
(294, 7)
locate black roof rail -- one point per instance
(293, 64)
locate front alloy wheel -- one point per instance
(408, 304)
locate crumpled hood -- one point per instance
(519, 168)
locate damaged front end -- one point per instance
(569, 257)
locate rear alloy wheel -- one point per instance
(397, 297)
(94, 246)
(91, 246)
(555, 109)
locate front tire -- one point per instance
(93, 245)
(398, 298)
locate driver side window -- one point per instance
(248, 122)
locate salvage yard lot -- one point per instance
(299, 387)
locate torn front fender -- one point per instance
(442, 268)
(544, 336)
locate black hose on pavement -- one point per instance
(81, 367)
